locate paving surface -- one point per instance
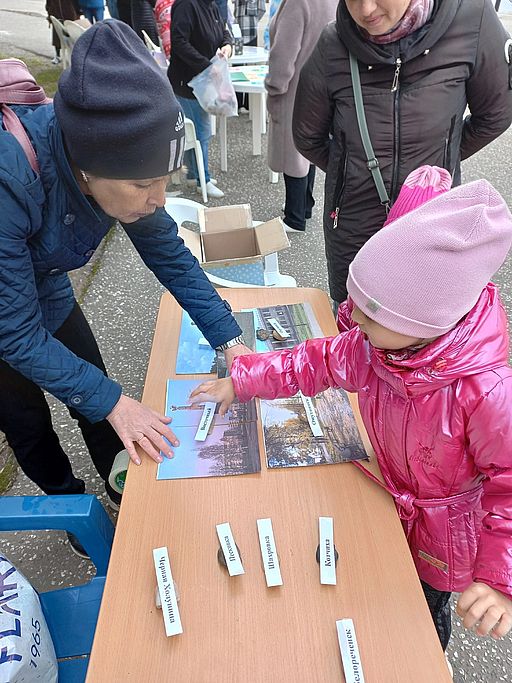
(121, 305)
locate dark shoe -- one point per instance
(76, 546)
(113, 498)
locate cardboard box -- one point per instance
(230, 246)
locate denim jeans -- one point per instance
(299, 200)
(193, 111)
(94, 13)
(26, 421)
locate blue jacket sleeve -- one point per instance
(163, 251)
(24, 343)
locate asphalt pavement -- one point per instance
(122, 301)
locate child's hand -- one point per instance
(486, 609)
(218, 390)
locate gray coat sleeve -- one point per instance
(489, 88)
(313, 111)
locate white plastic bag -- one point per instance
(213, 89)
(26, 649)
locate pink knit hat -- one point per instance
(427, 269)
(425, 183)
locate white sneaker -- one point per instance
(56, 60)
(191, 182)
(211, 190)
(288, 228)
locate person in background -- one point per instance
(93, 10)
(124, 10)
(274, 6)
(105, 154)
(427, 353)
(248, 14)
(421, 63)
(294, 32)
(223, 9)
(163, 24)
(61, 10)
(143, 19)
(112, 9)
(197, 34)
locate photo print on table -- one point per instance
(230, 447)
(297, 320)
(288, 432)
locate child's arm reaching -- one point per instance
(485, 610)
(310, 367)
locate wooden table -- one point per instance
(236, 630)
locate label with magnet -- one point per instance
(205, 421)
(349, 651)
(269, 553)
(228, 545)
(279, 328)
(170, 611)
(327, 557)
(314, 423)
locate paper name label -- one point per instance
(228, 545)
(269, 553)
(170, 611)
(205, 421)
(327, 559)
(349, 651)
(314, 424)
(278, 328)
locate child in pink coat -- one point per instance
(424, 343)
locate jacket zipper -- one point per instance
(395, 89)
(338, 194)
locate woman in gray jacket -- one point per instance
(421, 62)
(294, 31)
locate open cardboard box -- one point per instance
(228, 239)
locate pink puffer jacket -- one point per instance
(440, 421)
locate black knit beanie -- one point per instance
(116, 107)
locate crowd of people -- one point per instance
(377, 99)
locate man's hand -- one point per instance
(226, 51)
(218, 391)
(234, 351)
(486, 611)
(137, 424)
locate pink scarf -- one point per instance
(416, 15)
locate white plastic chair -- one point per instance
(65, 42)
(152, 47)
(187, 211)
(73, 30)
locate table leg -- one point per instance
(223, 140)
(264, 113)
(255, 104)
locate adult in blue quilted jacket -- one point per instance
(105, 148)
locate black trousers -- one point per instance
(439, 606)
(299, 200)
(26, 421)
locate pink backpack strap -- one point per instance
(14, 126)
(18, 86)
